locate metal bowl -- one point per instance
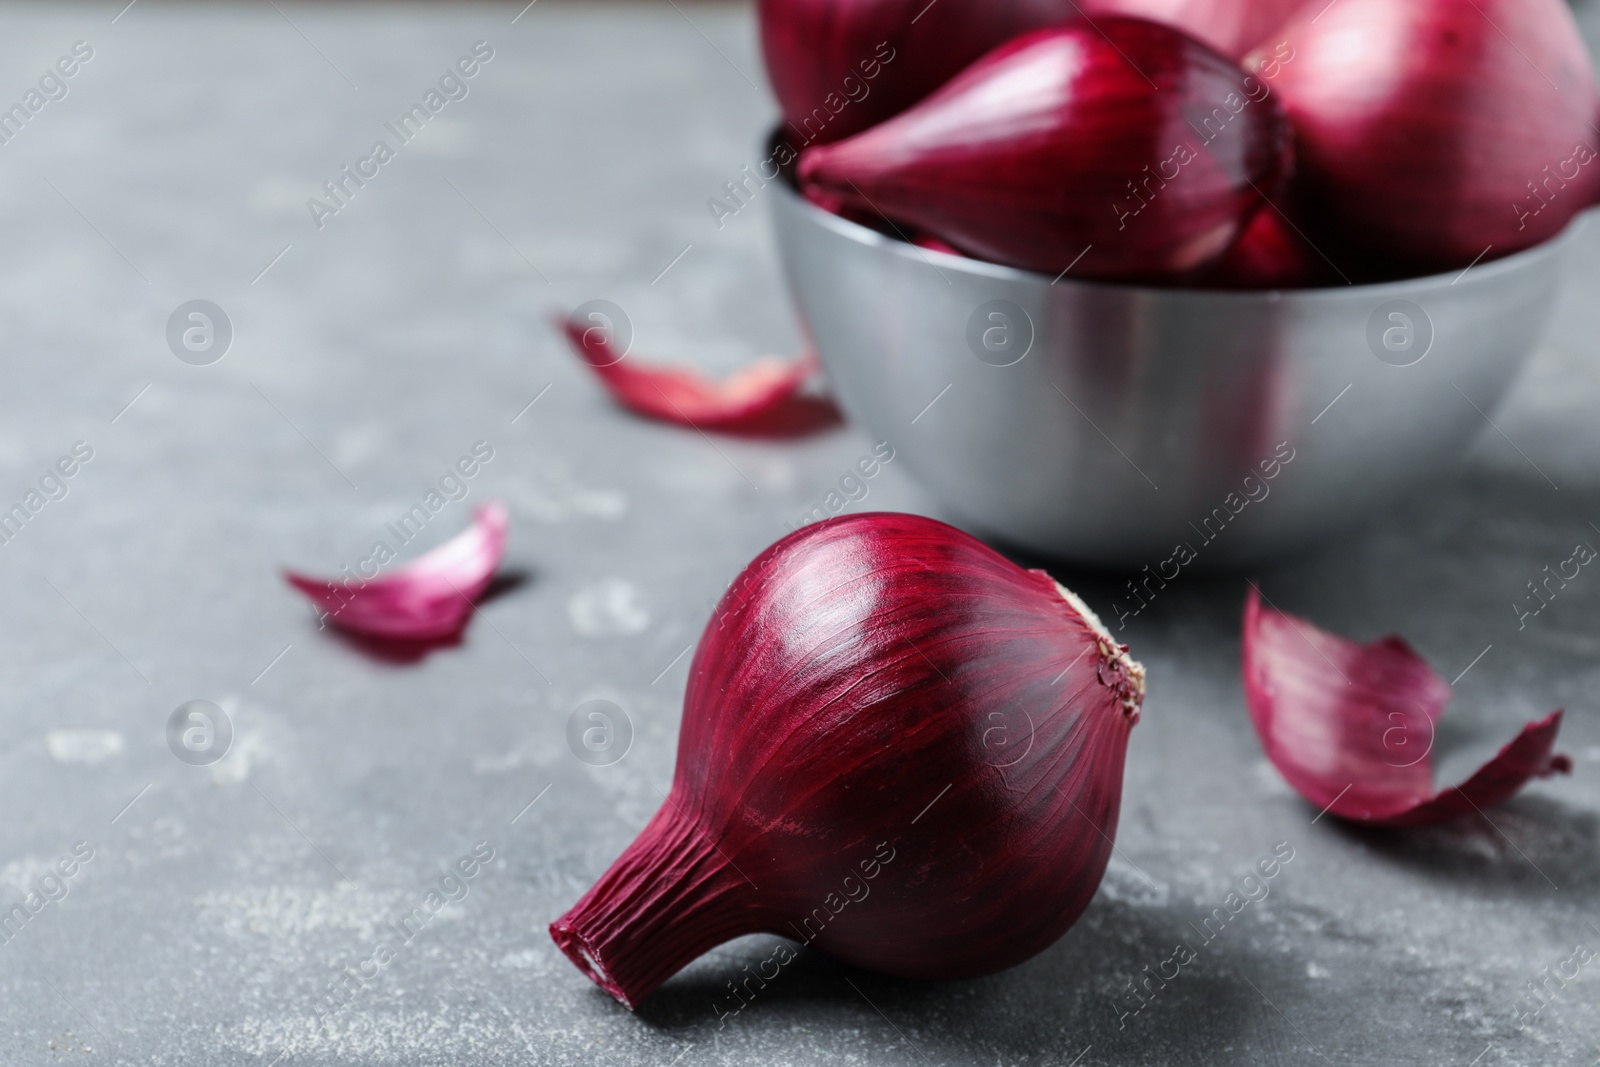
(1116, 424)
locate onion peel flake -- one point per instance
(764, 398)
(1351, 726)
(428, 599)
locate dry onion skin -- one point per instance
(428, 599)
(1351, 726)
(765, 398)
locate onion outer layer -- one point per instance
(1351, 727)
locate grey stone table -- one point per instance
(210, 909)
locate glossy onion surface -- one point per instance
(839, 66)
(897, 745)
(1121, 150)
(1443, 130)
(1232, 27)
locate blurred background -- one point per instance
(370, 347)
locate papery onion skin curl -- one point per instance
(1442, 130)
(897, 745)
(428, 599)
(1351, 727)
(764, 398)
(1124, 150)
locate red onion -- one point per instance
(1443, 130)
(763, 398)
(1127, 144)
(896, 745)
(840, 66)
(1351, 727)
(1271, 253)
(1232, 27)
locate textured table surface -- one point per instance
(221, 902)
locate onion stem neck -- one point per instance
(668, 899)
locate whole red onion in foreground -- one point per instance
(897, 745)
(839, 66)
(1443, 130)
(1123, 150)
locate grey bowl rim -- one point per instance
(980, 268)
